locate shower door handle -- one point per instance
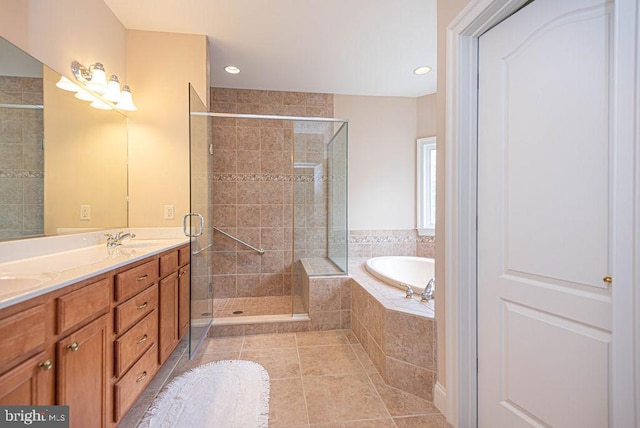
(188, 232)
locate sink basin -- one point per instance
(139, 244)
(11, 282)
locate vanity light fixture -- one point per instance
(422, 70)
(67, 84)
(113, 89)
(83, 95)
(94, 82)
(126, 102)
(232, 69)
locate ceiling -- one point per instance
(361, 47)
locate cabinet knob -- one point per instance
(46, 365)
(607, 279)
(73, 347)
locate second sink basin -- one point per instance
(12, 282)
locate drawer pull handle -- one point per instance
(141, 340)
(73, 347)
(141, 377)
(142, 306)
(47, 365)
(142, 278)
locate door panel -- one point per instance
(200, 227)
(544, 312)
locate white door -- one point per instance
(544, 147)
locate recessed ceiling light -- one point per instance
(422, 70)
(232, 69)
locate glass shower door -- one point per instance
(197, 223)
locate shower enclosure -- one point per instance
(277, 189)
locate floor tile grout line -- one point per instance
(304, 392)
(373, 385)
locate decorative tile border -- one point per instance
(388, 237)
(269, 177)
(21, 174)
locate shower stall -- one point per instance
(268, 201)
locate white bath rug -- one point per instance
(230, 393)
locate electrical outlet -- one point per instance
(85, 212)
(169, 212)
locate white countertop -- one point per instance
(34, 267)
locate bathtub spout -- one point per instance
(427, 293)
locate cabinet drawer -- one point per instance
(83, 304)
(184, 255)
(133, 280)
(134, 309)
(133, 383)
(168, 263)
(21, 333)
(134, 342)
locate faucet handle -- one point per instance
(409, 291)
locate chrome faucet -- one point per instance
(409, 294)
(427, 293)
(116, 240)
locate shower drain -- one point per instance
(237, 312)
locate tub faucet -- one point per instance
(409, 294)
(116, 240)
(427, 293)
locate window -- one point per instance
(426, 198)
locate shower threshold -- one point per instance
(260, 319)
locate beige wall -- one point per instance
(447, 10)
(382, 133)
(159, 68)
(426, 116)
(56, 32)
(85, 162)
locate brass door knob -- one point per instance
(608, 279)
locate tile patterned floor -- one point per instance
(318, 379)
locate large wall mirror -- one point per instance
(63, 164)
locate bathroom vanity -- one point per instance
(93, 343)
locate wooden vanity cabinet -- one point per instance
(82, 374)
(184, 299)
(29, 383)
(95, 345)
(169, 332)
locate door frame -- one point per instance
(461, 197)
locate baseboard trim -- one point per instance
(440, 398)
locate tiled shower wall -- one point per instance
(375, 243)
(21, 158)
(253, 187)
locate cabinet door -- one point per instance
(28, 384)
(168, 330)
(184, 299)
(82, 374)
